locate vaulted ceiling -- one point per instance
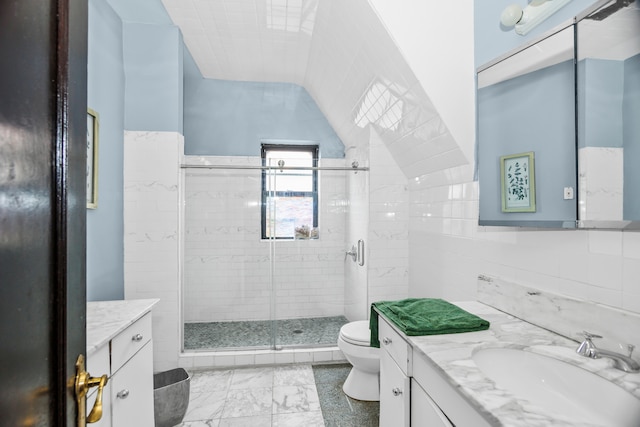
(340, 52)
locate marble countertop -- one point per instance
(451, 355)
(106, 319)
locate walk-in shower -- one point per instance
(264, 250)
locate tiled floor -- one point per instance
(276, 396)
(338, 409)
(308, 331)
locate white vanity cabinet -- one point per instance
(132, 375)
(424, 411)
(125, 354)
(409, 386)
(395, 372)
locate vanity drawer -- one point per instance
(424, 410)
(132, 391)
(392, 342)
(130, 341)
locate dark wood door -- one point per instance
(42, 208)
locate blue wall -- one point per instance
(609, 117)
(631, 132)
(600, 115)
(105, 228)
(153, 66)
(230, 118)
(135, 83)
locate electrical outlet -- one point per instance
(568, 193)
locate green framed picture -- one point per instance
(518, 183)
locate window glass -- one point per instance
(290, 194)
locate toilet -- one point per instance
(362, 382)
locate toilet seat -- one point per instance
(356, 333)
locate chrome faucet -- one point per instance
(588, 349)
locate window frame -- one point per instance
(264, 149)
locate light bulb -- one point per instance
(511, 15)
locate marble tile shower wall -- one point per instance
(227, 265)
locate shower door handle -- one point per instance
(361, 252)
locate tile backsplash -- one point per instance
(564, 315)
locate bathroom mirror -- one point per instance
(526, 111)
(608, 102)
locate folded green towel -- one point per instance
(424, 316)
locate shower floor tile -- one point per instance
(290, 332)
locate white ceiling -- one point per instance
(247, 40)
(341, 53)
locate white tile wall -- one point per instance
(601, 183)
(152, 233)
(388, 226)
(447, 249)
(260, 357)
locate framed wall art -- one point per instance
(517, 178)
(92, 158)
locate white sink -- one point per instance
(559, 388)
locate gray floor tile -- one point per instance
(320, 331)
(338, 409)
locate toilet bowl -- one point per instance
(363, 381)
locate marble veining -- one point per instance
(451, 355)
(563, 315)
(284, 396)
(106, 319)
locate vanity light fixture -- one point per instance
(525, 20)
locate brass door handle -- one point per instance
(96, 411)
(84, 381)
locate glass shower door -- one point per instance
(265, 243)
(309, 209)
(227, 297)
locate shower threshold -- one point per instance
(253, 335)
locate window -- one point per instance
(289, 196)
